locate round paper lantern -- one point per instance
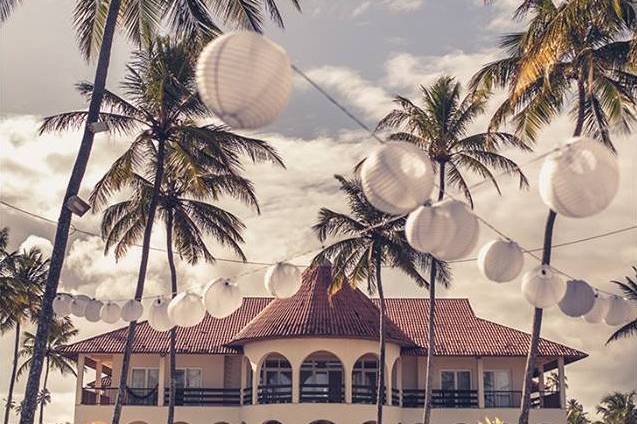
(62, 304)
(599, 310)
(132, 310)
(244, 78)
(619, 311)
(464, 238)
(78, 305)
(429, 228)
(578, 300)
(158, 318)
(501, 260)
(282, 280)
(397, 177)
(222, 297)
(93, 311)
(542, 288)
(579, 180)
(111, 312)
(186, 309)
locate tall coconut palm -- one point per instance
(629, 288)
(569, 51)
(440, 127)
(370, 239)
(62, 331)
(618, 408)
(95, 23)
(22, 278)
(160, 119)
(575, 413)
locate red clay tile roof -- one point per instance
(311, 312)
(351, 314)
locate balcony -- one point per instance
(107, 396)
(280, 393)
(322, 393)
(205, 397)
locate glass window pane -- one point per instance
(193, 377)
(488, 381)
(153, 377)
(138, 377)
(180, 378)
(463, 380)
(448, 380)
(502, 380)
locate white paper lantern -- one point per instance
(282, 280)
(111, 312)
(93, 311)
(158, 318)
(578, 300)
(62, 304)
(186, 309)
(132, 310)
(245, 79)
(78, 305)
(619, 312)
(397, 177)
(429, 228)
(542, 288)
(579, 180)
(501, 260)
(222, 297)
(599, 310)
(465, 235)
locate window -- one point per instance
(365, 372)
(276, 372)
(188, 377)
(452, 380)
(497, 389)
(144, 378)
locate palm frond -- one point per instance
(89, 19)
(76, 120)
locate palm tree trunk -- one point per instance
(64, 221)
(380, 383)
(14, 370)
(546, 260)
(44, 385)
(431, 328)
(141, 279)
(173, 331)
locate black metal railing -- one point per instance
(99, 396)
(204, 397)
(132, 396)
(547, 399)
(281, 393)
(502, 399)
(322, 393)
(141, 396)
(415, 398)
(247, 396)
(395, 397)
(366, 394)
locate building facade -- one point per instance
(312, 359)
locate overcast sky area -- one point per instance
(364, 53)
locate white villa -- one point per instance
(310, 359)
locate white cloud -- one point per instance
(403, 6)
(45, 245)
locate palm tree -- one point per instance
(371, 239)
(439, 127)
(22, 277)
(574, 48)
(553, 382)
(618, 408)
(95, 24)
(62, 331)
(161, 120)
(575, 413)
(629, 288)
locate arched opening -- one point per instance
(364, 379)
(321, 422)
(272, 422)
(247, 381)
(275, 380)
(395, 380)
(322, 379)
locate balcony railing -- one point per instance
(548, 399)
(107, 395)
(322, 393)
(275, 393)
(395, 397)
(365, 394)
(247, 396)
(415, 398)
(204, 397)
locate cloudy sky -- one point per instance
(364, 52)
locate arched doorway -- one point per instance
(322, 379)
(275, 380)
(395, 383)
(364, 378)
(321, 422)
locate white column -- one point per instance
(388, 384)
(347, 377)
(80, 379)
(162, 380)
(562, 379)
(296, 383)
(98, 380)
(255, 385)
(480, 382)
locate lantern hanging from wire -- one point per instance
(579, 180)
(62, 304)
(93, 311)
(578, 300)
(619, 311)
(186, 309)
(465, 235)
(501, 260)
(244, 78)
(282, 280)
(429, 228)
(110, 312)
(397, 177)
(222, 297)
(132, 310)
(542, 288)
(78, 305)
(158, 318)
(599, 310)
